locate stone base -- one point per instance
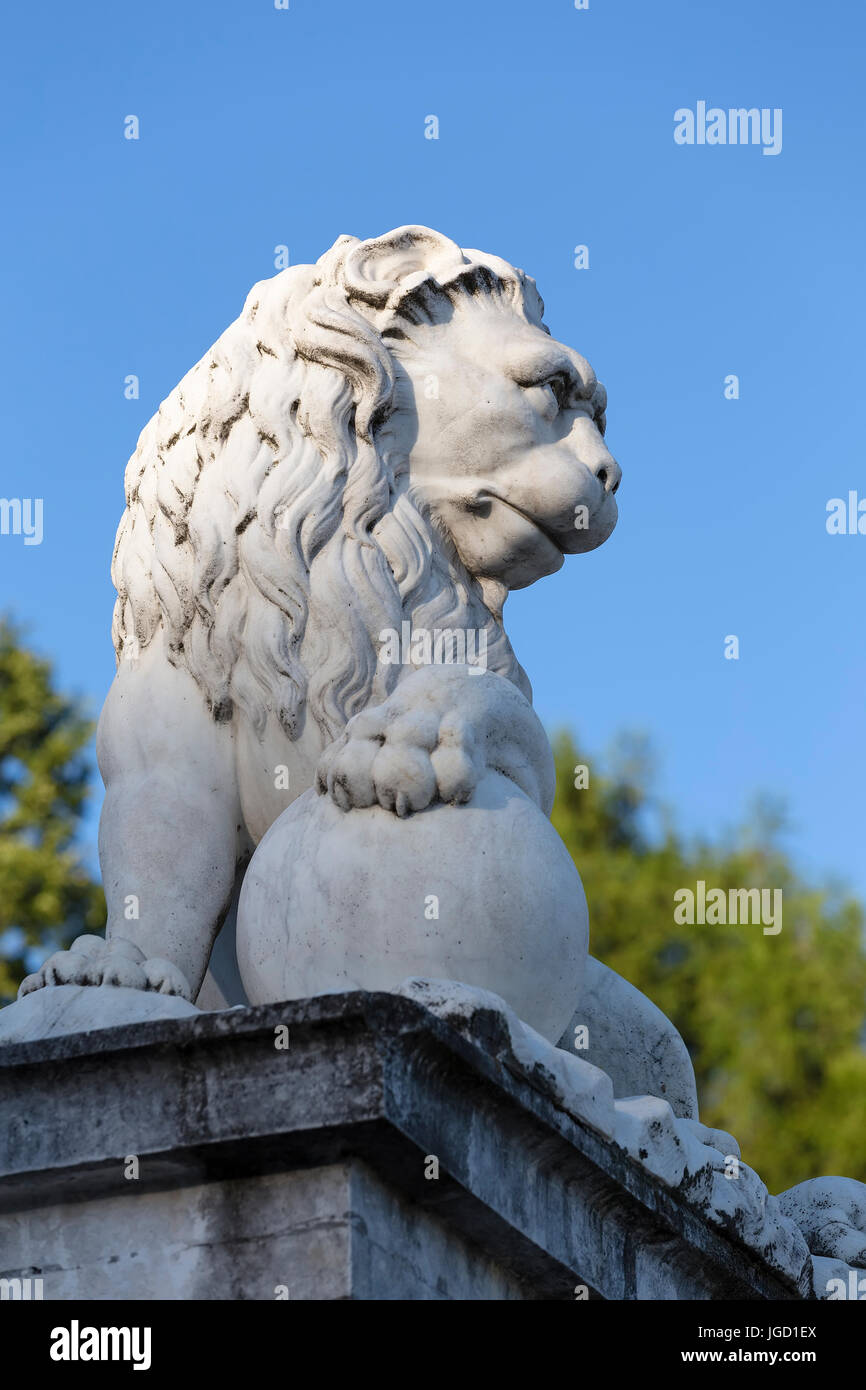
(331, 1232)
(307, 1171)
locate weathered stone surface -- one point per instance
(62, 1009)
(316, 1157)
(632, 1040)
(831, 1212)
(331, 1232)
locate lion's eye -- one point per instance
(545, 398)
(561, 387)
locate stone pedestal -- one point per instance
(307, 1171)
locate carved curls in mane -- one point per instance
(269, 529)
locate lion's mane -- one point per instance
(270, 527)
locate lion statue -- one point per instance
(379, 449)
(388, 437)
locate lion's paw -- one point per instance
(402, 760)
(91, 960)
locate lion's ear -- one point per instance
(375, 270)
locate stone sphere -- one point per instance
(484, 893)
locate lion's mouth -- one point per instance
(549, 535)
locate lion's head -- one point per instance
(388, 434)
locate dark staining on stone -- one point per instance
(643, 1153)
(222, 710)
(245, 521)
(264, 349)
(174, 438)
(228, 425)
(269, 439)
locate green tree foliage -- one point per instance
(774, 1024)
(46, 895)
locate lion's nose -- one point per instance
(608, 472)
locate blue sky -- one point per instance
(261, 127)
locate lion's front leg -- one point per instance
(168, 838)
(433, 740)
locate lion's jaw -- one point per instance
(514, 530)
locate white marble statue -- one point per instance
(322, 766)
(323, 523)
